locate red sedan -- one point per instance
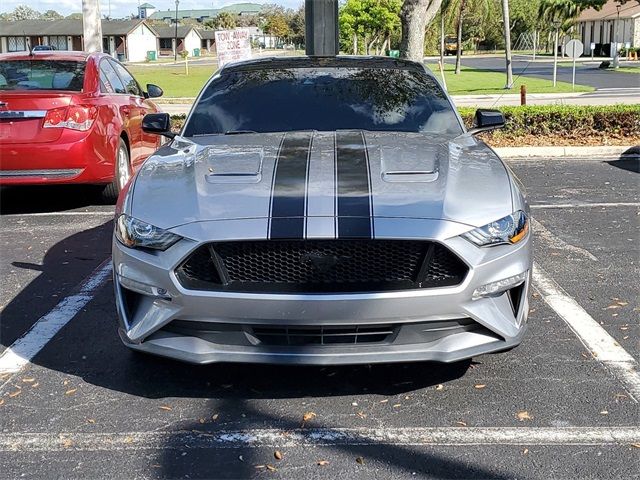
(71, 118)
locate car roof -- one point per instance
(340, 61)
(49, 55)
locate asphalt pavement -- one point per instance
(562, 405)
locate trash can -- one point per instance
(196, 52)
(393, 53)
(121, 57)
(151, 55)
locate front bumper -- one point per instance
(147, 321)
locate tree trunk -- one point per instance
(459, 36)
(507, 42)
(355, 43)
(371, 43)
(415, 15)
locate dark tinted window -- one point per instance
(41, 75)
(109, 80)
(130, 83)
(274, 100)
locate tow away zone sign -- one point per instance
(233, 45)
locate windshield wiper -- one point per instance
(238, 132)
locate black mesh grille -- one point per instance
(321, 266)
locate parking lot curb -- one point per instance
(568, 151)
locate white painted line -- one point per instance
(553, 241)
(135, 441)
(585, 205)
(595, 338)
(60, 214)
(20, 353)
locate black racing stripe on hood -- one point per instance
(288, 194)
(353, 186)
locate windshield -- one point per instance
(41, 75)
(325, 99)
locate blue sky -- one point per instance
(123, 8)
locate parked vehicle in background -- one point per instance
(43, 48)
(72, 118)
(451, 46)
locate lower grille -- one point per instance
(300, 336)
(321, 266)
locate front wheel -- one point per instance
(122, 173)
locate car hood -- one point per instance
(322, 175)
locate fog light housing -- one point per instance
(143, 288)
(498, 287)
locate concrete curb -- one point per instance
(554, 152)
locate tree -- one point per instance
(415, 15)
(74, 16)
(51, 15)
(507, 43)
(372, 20)
(297, 25)
(23, 12)
(222, 21)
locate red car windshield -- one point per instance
(41, 75)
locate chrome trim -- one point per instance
(59, 173)
(17, 114)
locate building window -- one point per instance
(166, 43)
(16, 44)
(58, 41)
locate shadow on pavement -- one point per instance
(630, 160)
(54, 198)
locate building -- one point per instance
(613, 23)
(189, 39)
(146, 10)
(202, 15)
(127, 40)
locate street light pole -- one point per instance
(175, 39)
(556, 26)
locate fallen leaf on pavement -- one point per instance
(215, 416)
(604, 412)
(636, 445)
(71, 391)
(1, 401)
(525, 451)
(440, 387)
(67, 443)
(322, 463)
(166, 408)
(15, 394)
(308, 416)
(271, 468)
(397, 405)
(201, 420)
(35, 385)
(384, 401)
(128, 440)
(462, 424)
(362, 414)
(360, 460)
(277, 454)
(91, 420)
(623, 304)
(611, 307)
(480, 386)
(524, 415)
(29, 380)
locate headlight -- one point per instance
(135, 233)
(510, 229)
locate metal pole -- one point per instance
(573, 75)
(321, 22)
(175, 39)
(507, 43)
(91, 26)
(616, 60)
(441, 36)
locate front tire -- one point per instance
(122, 173)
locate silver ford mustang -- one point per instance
(322, 211)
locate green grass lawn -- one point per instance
(633, 69)
(472, 81)
(173, 80)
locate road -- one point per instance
(559, 406)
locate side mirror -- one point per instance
(158, 123)
(486, 120)
(154, 91)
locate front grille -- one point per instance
(323, 335)
(321, 266)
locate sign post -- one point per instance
(233, 45)
(574, 49)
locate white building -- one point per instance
(146, 10)
(127, 40)
(612, 23)
(189, 39)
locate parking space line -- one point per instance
(585, 205)
(553, 241)
(131, 441)
(595, 338)
(20, 353)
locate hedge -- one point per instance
(567, 121)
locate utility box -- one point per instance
(393, 53)
(196, 52)
(151, 55)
